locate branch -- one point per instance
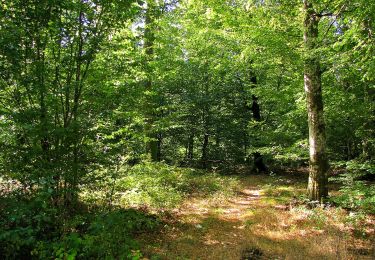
(336, 16)
(325, 14)
(322, 14)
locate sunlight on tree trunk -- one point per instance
(317, 186)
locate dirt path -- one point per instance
(254, 224)
(231, 209)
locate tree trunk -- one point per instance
(204, 151)
(317, 186)
(259, 164)
(149, 38)
(256, 109)
(190, 150)
(158, 147)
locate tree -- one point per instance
(45, 64)
(317, 186)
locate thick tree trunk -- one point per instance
(258, 165)
(256, 109)
(152, 146)
(317, 186)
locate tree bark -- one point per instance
(190, 146)
(317, 186)
(204, 150)
(256, 109)
(259, 164)
(153, 147)
(158, 147)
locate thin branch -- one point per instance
(336, 16)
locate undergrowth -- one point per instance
(34, 229)
(156, 185)
(357, 190)
(115, 209)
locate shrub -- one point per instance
(356, 193)
(24, 222)
(156, 185)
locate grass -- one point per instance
(156, 211)
(156, 186)
(259, 215)
(212, 216)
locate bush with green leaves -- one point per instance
(24, 222)
(109, 235)
(33, 227)
(356, 192)
(157, 185)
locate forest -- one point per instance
(187, 129)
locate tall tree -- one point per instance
(46, 55)
(152, 145)
(317, 186)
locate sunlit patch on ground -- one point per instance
(260, 219)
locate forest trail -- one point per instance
(231, 209)
(255, 223)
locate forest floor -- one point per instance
(264, 219)
(156, 211)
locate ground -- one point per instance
(264, 219)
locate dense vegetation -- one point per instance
(114, 114)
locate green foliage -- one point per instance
(156, 185)
(35, 229)
(355, 192)
(108, 236)
(24, 222)
(86, 86)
